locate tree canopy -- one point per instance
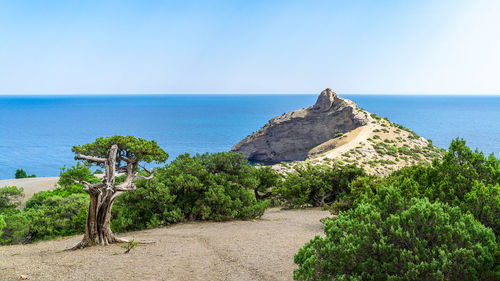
(130, 149)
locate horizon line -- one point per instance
(245, 93)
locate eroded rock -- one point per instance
(291, 136)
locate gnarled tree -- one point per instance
(116, 154)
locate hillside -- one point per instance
(336, 129)
(260, 249)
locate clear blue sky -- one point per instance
(392, 47)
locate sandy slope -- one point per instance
(31, 185)
(238, 250)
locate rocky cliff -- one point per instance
(293, 135)
(335, 130)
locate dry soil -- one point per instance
(260, 249)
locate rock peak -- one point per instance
(325, 100)
(290, 137)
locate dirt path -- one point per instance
(359, 135)
(238, 250)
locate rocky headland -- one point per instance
(336, 130)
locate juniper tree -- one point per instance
(116, 154)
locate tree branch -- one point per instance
(91, 158)
(88, 187)
(151, 175)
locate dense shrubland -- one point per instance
(219, 186)
(463, 178)
(48, 214)
(432, 222)
(438, 222)
(396, 238)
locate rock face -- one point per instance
(291, 136)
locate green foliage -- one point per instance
(129, 147)
(463, 178)
(317, 185)
(375, 116)
(268, 180)
(69, 183)
(2, 225)
(13, 225)
(129, 246)
(52, 216)
(21, 174)
(219, 186)
(52, 213)
(16, 229)
(393, 238)
(10, 197)
(75, 175)
(151, 205)
(58, 216)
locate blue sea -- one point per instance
(37, 132)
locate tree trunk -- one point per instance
(97, 227)
(102, 195)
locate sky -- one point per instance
(260, 46)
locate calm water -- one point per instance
(37, 133)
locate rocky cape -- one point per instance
(335, 129)
(291, 136)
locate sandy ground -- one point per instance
(260, 249)
(31, 185)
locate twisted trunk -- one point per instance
(102, 195)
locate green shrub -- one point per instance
(2, 225)
(21, 174)
(10, 197)
(218, 186)
(16, 229)
(69, 183)
(360, 189)
(317, 185)
(58, 216)
(151, 205)
(268, 180)
(396, 239)
(463, 178)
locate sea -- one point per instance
(38, 132)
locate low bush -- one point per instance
(10, 197)
(68, 184)
(317, 185)
(267, 182)
(393, 238)
(57, 216)
(21, 174)
(219, 186)
(16, 229)
(463, 178)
